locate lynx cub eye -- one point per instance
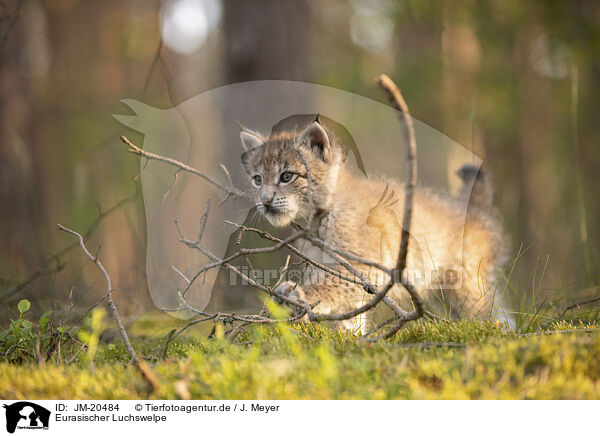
(257, 180)
(287, 177)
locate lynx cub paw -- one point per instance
(290, 290)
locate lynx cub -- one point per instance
(452, 261)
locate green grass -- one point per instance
(477, 360)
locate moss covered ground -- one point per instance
(426, 360)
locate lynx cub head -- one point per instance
(279, 178)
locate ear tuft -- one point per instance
(315, 137)
(251, 140)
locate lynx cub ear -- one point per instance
(251, 140)
(315, 137)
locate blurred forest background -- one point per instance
(517, 82)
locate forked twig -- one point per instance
(142, 367)
(232, 190)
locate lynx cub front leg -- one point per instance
(294, 290)
(290, 290)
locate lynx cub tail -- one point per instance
(476, 187)
(453, 260)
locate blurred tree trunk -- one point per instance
(264, 40)
(21, 200)
(58, 76)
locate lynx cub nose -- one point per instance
(266, 200)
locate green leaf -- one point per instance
(23, 306)
(43, 324)
(44, 320)
(15, 326)
(27, 324)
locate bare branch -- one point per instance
(138, 175)
(232, 190)
(141, 366)
(265, 235)
(578, 305)
(398, 102)
(362, 280)
(230, 180)
(561, 332)
(182, 275)
(326, 246)
(175, 180)
(203, 219)
(109, 299)
(225, 262)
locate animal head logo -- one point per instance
(204, 133)
(27, 415)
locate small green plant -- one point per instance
(17, 340)
(25, 341)
(90, 335)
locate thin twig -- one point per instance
(398, 102)
(142, 367)
(175, 180)
(425, 345)
(378, 296)
(560, 332)
(203, 220)
(265, 235)
(577, 305)
(183, 167)
(230, 180)
(109, 300)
